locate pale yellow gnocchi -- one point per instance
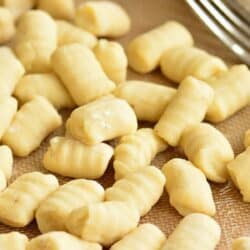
(247, 138)
(7, 25)
(241, 243)
(13, 241)
(6, 161)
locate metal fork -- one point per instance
(227, 25)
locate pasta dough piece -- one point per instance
(102, 120)
(69, 157)
(150, 104)
(145, 51)
(68, 33)
(194, 232)
(113, 59)
(59, 9)
(6, 161)
(35, 41)
(60, 241)
(136, 151)
(179, 62)
(185, 109)
(32, 123)
(239, 170)
(142, 189)
(104, 222)
(8, 108)
(232, 93)
(145, 237)
(103, 18)
(247, 138)
(188, 189)
(11, 70)
(52, 213)
(13, 241)
(81, 73)
(241, 243)
(46, 85)
(208, 149)
(20, 200)
(7, 25)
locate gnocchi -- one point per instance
(13, 241)
(7, 25)
(241, 243)
(247, 138)
(6, 161)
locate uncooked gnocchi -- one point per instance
(247, 138)
(189, 192)
(208, 149)
(7, 25)
(151, 101)
(241, 243)
(179, 62)
(144, 237)
(46, 85)
(136, 151)
(53, 211)
(113, 59)
(13, 241)
(194, 232)
(34, 121)
(185, 109)
(232, 92)
(104, 119)
(103, 18)
(20, 200)
(104, 222)
(81, 73)
(6, 161)
(145, 51)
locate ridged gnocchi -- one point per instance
(185, 109)
(189, 192)
(144, 237)
(177, 63)
(232, 93)
(54, 210)
(136, 151)
(241, 243)
(101, 120)
(81, 73)
(20, 200)
(145, 51)
(28, 129)
(247, 138)
(69, 157)
(150, 104)
(6, 161)
(208, 149)
(7, 25)
(13, 241)
(104, 223)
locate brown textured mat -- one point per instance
(232, 214)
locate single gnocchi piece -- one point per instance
(103, 18)
(104, 119)
(81, 73)
(232, 93)
(179, 62)
(60, 241)
(208, 149)
(247, 138)
(239, 170)
(35, 41)
(136, 151)
(7, 25)
(34, 121)
(194, 232)
(68, 33)
(185, 109)
(144, 237)
(53, 212)
(189, 192)
(59, 9)
(104, 223)
(47, 85)
(6, 161)
(113, 59)
(145, 51)
(8, 108)
(142, 189)
(150, 104)
(11, 70)
(13, 241)
(241, 243)
(69, 157)
(20, 200)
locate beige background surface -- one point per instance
(233, 215)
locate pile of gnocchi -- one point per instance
(55, 61)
